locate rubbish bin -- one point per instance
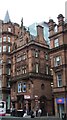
(63, 116)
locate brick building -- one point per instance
(24, 68)
(58, 56)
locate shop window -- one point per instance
(8, 102)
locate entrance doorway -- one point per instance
(43, 105)
(60, 109)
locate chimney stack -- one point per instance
(40, 33)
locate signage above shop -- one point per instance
(60, 100)
(26, 96)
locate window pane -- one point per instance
(24, 87)
(46, 56)
(56, 43)
(9, 29)
(8, 39)
(0, 49)
(8, 71)
(0, 83)
(4, 48)
(0, 71)
(55, 28)
(57, 61)
(0, 61)
(36, 67)
(4, 39)
(0, 39)
(47, 70)
(59, 80)
(19, 87)
(8, 48)
(36, 54)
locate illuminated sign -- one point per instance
(26, 96)
(60, 100)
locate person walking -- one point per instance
(39, 112)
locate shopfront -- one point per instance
(60, 106)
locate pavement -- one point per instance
(8, 117)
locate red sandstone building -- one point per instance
(25, 76)
(58, 56)
(25, 63)
(31, 72)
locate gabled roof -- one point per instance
(7, 18)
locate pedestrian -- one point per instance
(32, 114)
(39, 112)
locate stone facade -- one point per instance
(31, 76)
(58, 56)
(26, 77)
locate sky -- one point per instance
(32, 10)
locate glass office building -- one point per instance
(33, 30)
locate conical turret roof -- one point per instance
(7, 18)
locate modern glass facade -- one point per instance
(33, 30)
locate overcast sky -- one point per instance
(32, 10)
